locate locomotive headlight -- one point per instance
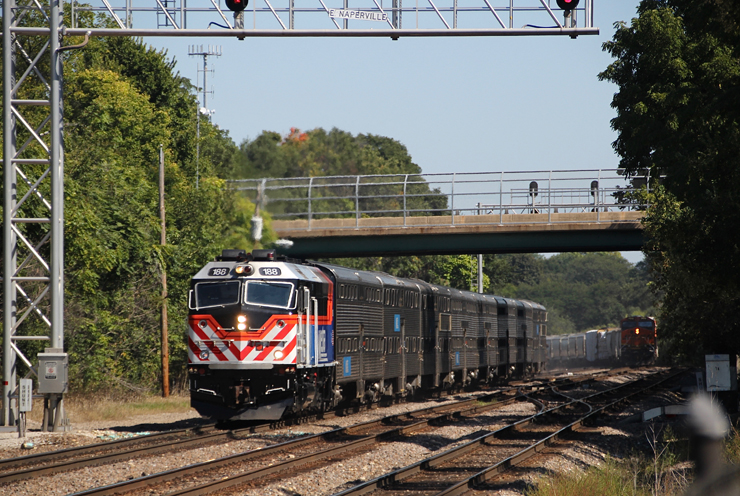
(241, 322)
(244, 269)
(204, 354)
(278, 355)
(637, 331)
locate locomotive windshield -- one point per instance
(643, 324)
(270, 294)
(213, 294)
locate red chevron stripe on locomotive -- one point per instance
(210, 343)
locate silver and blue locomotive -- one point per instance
(270, 337)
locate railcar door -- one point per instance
(403, 348)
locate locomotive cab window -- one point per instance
(214, 294)
(269, 294)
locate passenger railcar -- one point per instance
(270, 337)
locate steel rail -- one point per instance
(446, 413)
(126, 453)
(129, 447)
(388, 480)
(51, 456)
(386, 435)
(132, 447)
(493, 471)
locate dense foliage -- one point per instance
(330, 155)
(123, 101)
(678, 114)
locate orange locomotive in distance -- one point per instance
(639, 338)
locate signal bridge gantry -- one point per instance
(338, 18)
(36, 33)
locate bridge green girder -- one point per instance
(351, 244)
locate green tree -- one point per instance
(123, 101)
(588, 291)
(678, 71)
(318, 154)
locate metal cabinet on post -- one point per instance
(53, 383)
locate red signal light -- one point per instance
(239, 5)
(567, 4)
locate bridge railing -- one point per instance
(448, 198)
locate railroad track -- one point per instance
(253, 469)
(380, 430)
(468, 467)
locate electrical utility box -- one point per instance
(53, 373)
(718, 373)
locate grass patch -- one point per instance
(83, 408)
(610, 479)
(661, 471)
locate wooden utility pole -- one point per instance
(163, 242)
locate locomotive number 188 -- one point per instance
(269, 271)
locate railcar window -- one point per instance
(213, 294)
(445, 322)
(269, 294)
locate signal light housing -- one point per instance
(567, 4)
(237, 5)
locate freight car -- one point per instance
(270, 337)
(595, 347)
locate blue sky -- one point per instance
(458, 104)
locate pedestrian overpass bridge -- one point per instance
(456, 213)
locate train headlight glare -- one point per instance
(278, 355)
(241, 326)
(244, 269)
(241, 318)
(637, 331)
